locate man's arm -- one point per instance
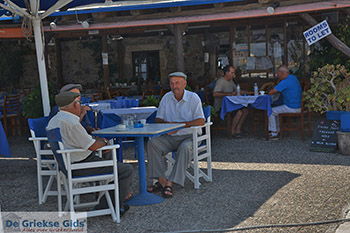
(273, 91)
(100, 142)
(196, 122)
(222, 94)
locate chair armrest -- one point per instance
(37, 139)
(109, 147)
(201, 126)
(70, 150)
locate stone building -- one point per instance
(125, 42)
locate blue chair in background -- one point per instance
(85, 100)
(12, 114)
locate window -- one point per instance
(146, 65)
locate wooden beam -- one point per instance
(335, 42)
(59, 71)
(178, 30)
(232, 41)
(104, 57)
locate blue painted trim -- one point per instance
(6, 18)
(136, 7)
(144, 6)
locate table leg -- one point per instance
(266, 126)
(120, 150)
(144, 197)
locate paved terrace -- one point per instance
(255, 182)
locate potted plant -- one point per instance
(32, 103)
(330, 92)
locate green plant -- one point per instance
(151, 101)
(326, 53)
(32, 103)
(329, 90)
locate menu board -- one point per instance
(325, 136)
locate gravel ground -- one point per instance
(255, 182)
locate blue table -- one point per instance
(149, 130)
(4, 146)
(233, 103)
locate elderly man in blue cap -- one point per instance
(176, 106)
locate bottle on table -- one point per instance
(256, 89)
(238, 90)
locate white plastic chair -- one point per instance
(79, 185)
(201, 153)
(46, 164)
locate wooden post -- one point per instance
(335, 42)
(178, 30)
(232, 41)
(104, 57)
(60, 79)
(120, 59)
(285, 44)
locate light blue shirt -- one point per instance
(187, 109)
(291, 91)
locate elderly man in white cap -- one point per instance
(176, 106)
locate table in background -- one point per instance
(149, 130)
(261, 102)
(4, 146)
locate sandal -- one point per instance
(157, 187)
(129, 196)
(167, 192)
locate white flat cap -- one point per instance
(178, 74)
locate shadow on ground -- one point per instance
(230, 199)
(286, 151)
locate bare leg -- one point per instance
(235, 122)
(241, 120)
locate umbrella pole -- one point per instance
(38, 36)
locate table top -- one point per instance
(127, 111)
(149, 130)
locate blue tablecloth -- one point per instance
(262, 102)
(4, 146)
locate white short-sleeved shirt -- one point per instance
(73, 134)
(187, 109)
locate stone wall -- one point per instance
(81, 60)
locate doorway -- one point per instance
(146, 66)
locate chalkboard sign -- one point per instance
(325, 136)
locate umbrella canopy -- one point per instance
(47, 4)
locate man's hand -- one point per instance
(173, 132)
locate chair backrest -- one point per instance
(38, 125)
(54, 138)
(207, 112)
(85, 100)
(12, 105)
